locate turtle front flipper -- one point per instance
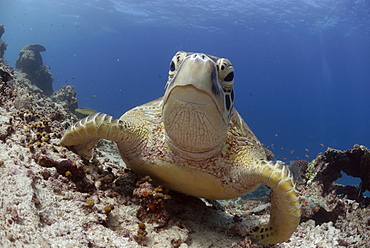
(84, 134)
(285, 211)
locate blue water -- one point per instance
(302, 68)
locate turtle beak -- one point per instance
(196, 83)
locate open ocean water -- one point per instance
(302, 67)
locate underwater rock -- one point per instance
(324, 201)
(152, 201)
(297, 167)
(30, 59)
(6, 73)
(30, 62)
(3, 45)
(66, 97)
(326, 169)
(354, 162)
(2, 30)
(35, 48)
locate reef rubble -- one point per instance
(50, 197)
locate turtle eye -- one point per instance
(225, 73)
(172, 66)
(176, 61)
(229, 77)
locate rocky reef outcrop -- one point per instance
(50, 197)
(66, 97)
(30, 62)
(342, 208)
(3, 45)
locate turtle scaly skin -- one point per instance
(193, 141)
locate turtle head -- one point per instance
(197, 104)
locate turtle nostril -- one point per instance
(203, 56)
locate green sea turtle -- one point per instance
(193, 141)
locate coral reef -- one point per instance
(152, 200)
(326, 168)
(50, 197)
(5, 73)
(354, 162)
(66, 97)
(3, 45)
(342, 209)
(30, 62)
